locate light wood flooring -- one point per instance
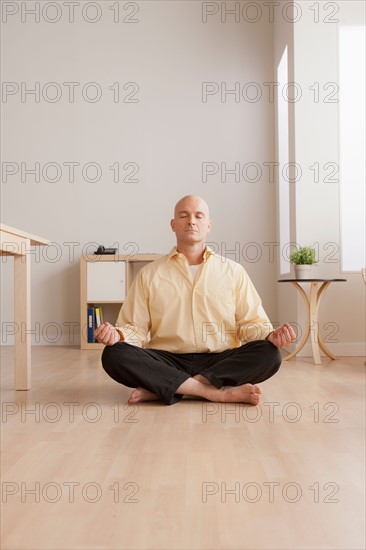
(87, 471)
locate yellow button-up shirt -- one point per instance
(166, 309)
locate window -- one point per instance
(283, 159)
(351, 41)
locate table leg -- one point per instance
(314, 324)
(22, 318)
(322, 345)
(325, 350)
(307, 330)
(312, 329)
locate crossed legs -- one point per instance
(201, 387)
(228, 376)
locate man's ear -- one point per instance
(172, 225)
(209, 226)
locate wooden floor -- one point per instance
(83, 470)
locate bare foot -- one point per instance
(140, 394)
(201, 378)
(247, 393)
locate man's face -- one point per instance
(191, 221)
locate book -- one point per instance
(98, 316)
(91, 324)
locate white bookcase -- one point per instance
(104, 281)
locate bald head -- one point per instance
(191, 222)
(192, 202)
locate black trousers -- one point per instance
(162, 372)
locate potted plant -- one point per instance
(303, 259)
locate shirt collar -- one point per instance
(207, 253)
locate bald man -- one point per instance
(192, 324)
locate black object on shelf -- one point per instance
(102, 250)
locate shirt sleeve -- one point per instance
(251, 319)
(133, 323)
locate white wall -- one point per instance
(317, 204)
(169, 52)
(283, 37)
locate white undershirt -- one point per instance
(193, 269)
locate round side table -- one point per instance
(312, 306)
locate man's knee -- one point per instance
(274, 355)
(108, 359)
(110, 356)
(115, 361)
(269, 356)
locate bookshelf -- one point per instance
(104, 281)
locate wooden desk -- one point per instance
(17, 243)
(312, 306)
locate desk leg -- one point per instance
(314, 324)
(22, 318)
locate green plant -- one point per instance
(304, 255)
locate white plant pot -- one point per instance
(303, 271)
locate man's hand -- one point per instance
(282, 336)
(106, 334)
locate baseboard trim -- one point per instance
(351, 349)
